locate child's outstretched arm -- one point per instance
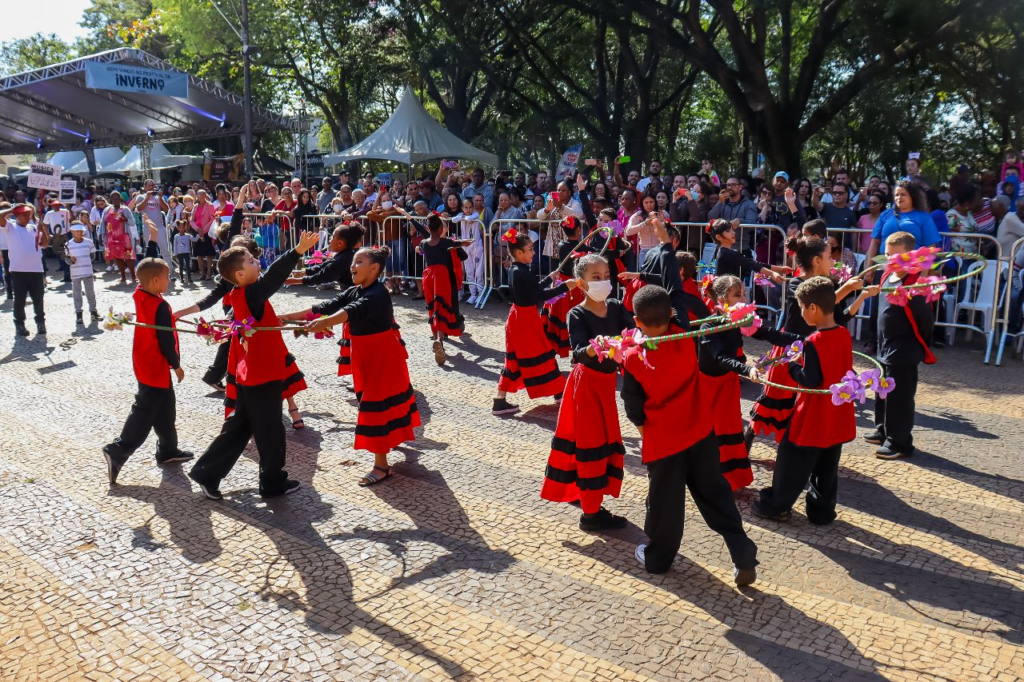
(256, 294)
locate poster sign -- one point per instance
(567, 166)
(135, 79)
(44, 176)
(68, 191)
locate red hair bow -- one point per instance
(710, 226)
(437, 213)
(570, 222)
(510, 236)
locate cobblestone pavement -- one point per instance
(456, 568)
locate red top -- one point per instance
(816, 421)
(149, 362)
(675, 418)
(263, 357)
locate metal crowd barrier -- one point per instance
(1012, 304)
(276, 234)
(497, 259)
(324, 224)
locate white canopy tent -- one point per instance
(104, 157)
(66, 159)
(160, 159)
(411, 136)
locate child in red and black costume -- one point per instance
(661, 398)
(586, 457)
(554, 314)
(387, 405)
(722, 363)
(442, 282)
(813, 440)
(772, 409)
(154, 356)
(904, 335)
(696, 306)
(529, 359)
(618, 247)
(215, 373)
(263, 370)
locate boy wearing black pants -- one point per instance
(904, 334)
(262, 368)
(813, 441)
(154, 356)
(679, 448)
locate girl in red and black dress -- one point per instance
(618, 245)
(442, 282)
(775, 405)
(387, 405)
(554, 313)
(529, 359)
(815, 433)
(586, 457)
(722, 363)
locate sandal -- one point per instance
(439, 356)
(372, 479)
(296, 423)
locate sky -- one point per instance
(59, 16)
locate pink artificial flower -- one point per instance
(933, 293)
(900, 296)
(886, 385)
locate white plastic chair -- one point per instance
(949, 303)
(980, 298)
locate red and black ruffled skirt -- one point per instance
(529, 359)
(727, 420)
(587, 454)
(774, 406)
(554, 318)
(387, 405)
(441, 284)
(292, 382)
(345, 356)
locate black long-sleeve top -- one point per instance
(732, 262)
(527, 290)
(588, 211)
(660, 263)
(164, 338)
(584, 325)
(337, 269)
(439, 253)
(216, 294)
(810, 375)
(719, 354)
(896, 340)
(369, 309)
(793, 320)
(259, 292)
(237, 217)
(567, 246)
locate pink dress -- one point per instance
(118, 241)
(866, 222)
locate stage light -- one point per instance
(39, 143)
(88, 138)
(149, 131)
(223, 123)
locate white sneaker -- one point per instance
(472, 300)
(641, 555)
(110, 268)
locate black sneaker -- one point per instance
(180, 456)
(876, 437)
(116, 458)
(558, 398)
(20, 330)
(744, 576)
(748, 438)
(760, 511)
(41, 329)
(95, 314)
(602, 520)
(892, 452)
(285, 488)
(502, 406)
(78, 318)
(216, 385)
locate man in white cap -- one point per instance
(79, 257)
(25, 244)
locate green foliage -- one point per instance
(25, 54)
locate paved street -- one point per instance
(456, 568)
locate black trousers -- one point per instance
(154, 408)
(795, 466)
(698, 469)
(894, 415)
(219, 369)
(184, 261)
(7, 273)
(28, 284)
(257, 415)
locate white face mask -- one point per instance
(600, 290)
(386, 205)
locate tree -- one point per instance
(25, 54)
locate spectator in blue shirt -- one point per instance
(909, 214)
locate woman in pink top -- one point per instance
(120, 245)
(202, 220)
(867, 221)
(286, 210)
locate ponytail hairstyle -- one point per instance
(181, 221)
(378, 256)
(722, 285)
(717, 228)
(352, 232)
(434, 223)
(570, 225)
(806, 250)
(519, 243)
